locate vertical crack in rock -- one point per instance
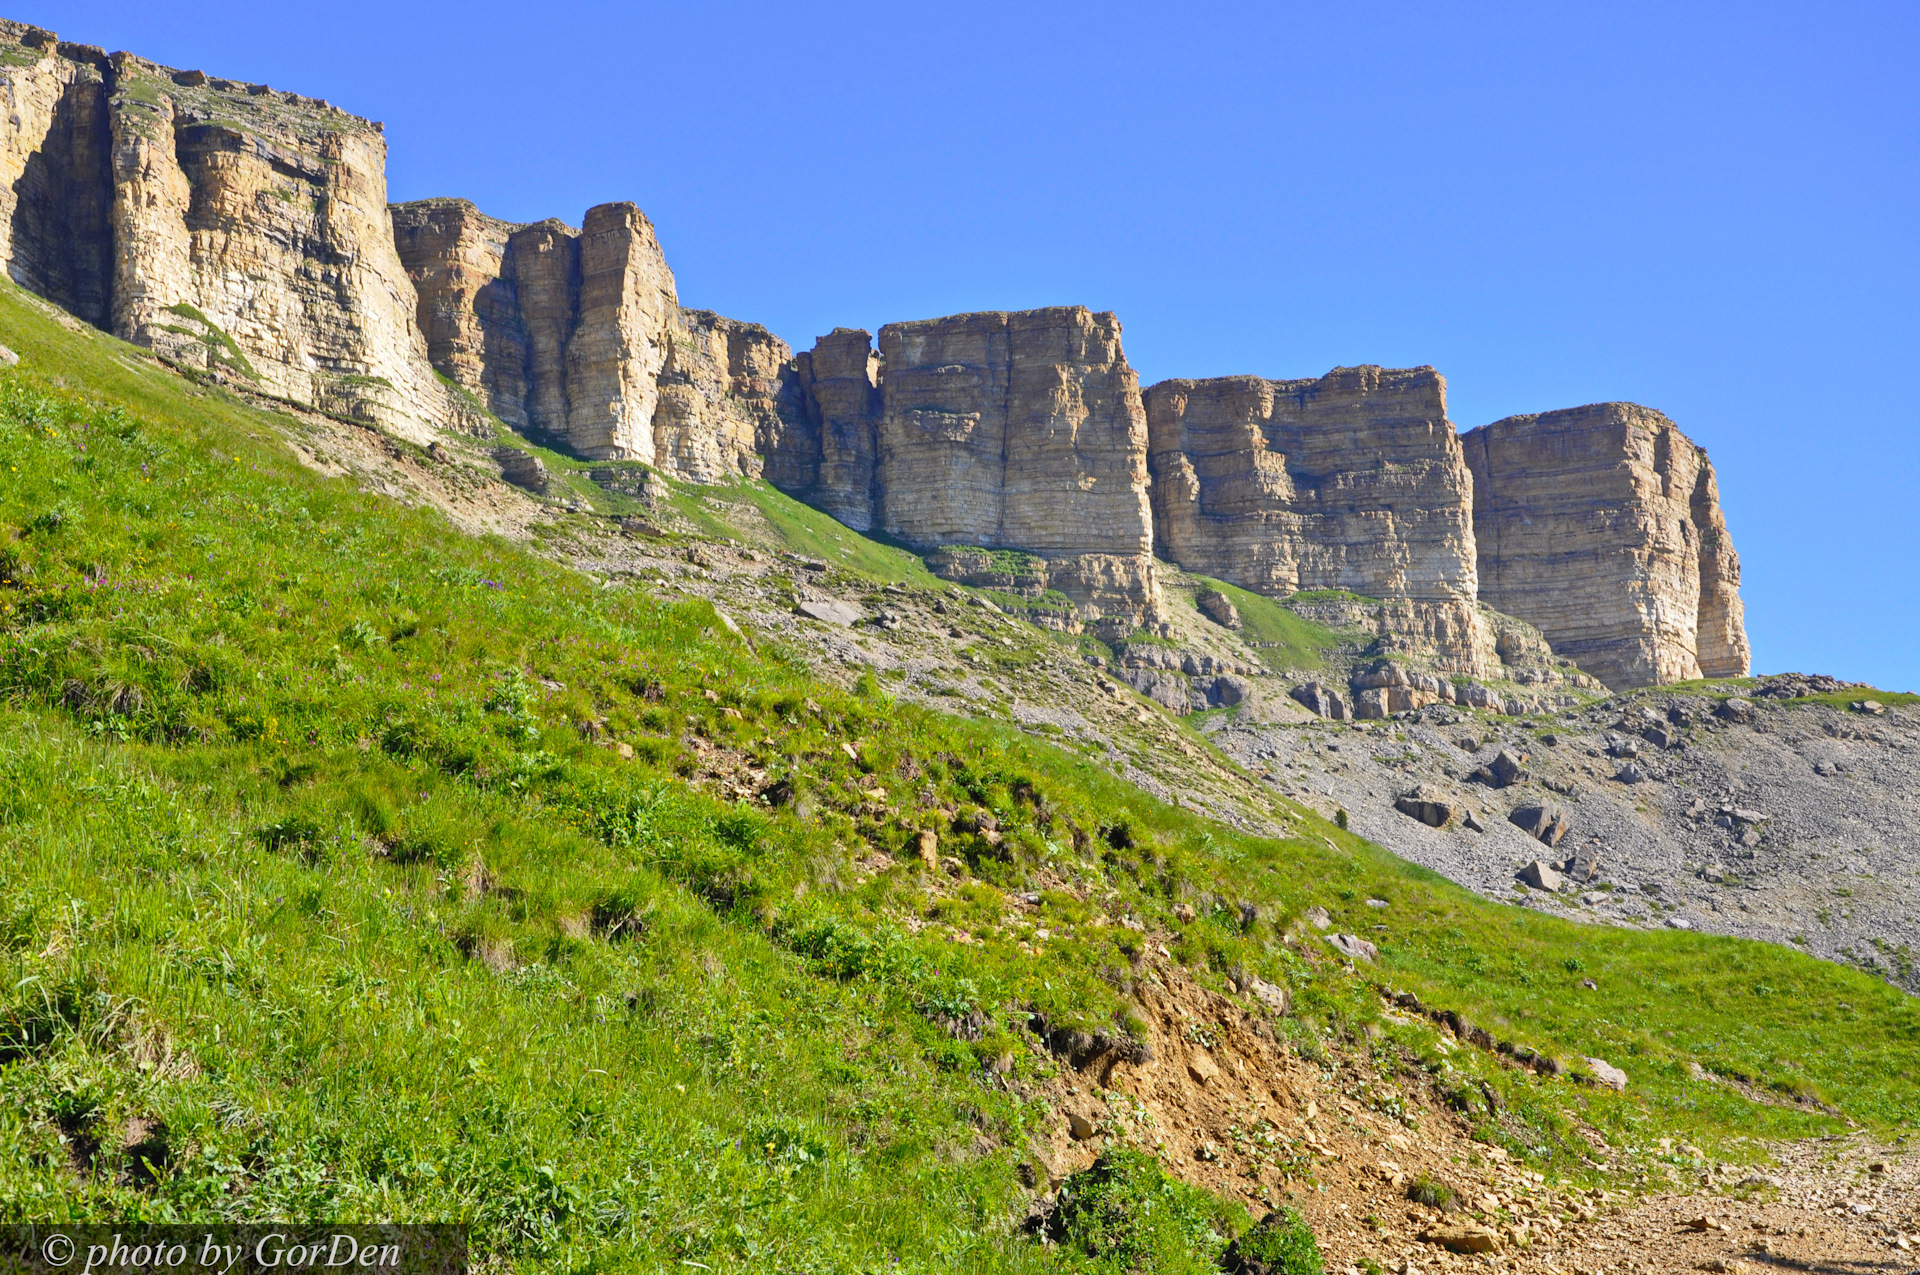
(1601, 525)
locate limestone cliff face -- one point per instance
(1354, 481)
(56, 185)
(728, 398)
(1601, 525)
(468, 308)
(576, 338)
(222, 224)
(1000, 430)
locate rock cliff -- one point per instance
(1602, 526)
(224, 225)
(1021, 431)
(576, 337)
(243, 230)
(1351, 482)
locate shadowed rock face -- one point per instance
(1001, 430)
(469, 308)
(1354, 481)
(1602, 526)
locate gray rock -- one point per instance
(523, 469)
(1273, 997)
(1608, 1074)
(1353, 947)
(1426, 805)
(1871, 707)
(1503, 771)
(1541, 877)
(1317, 917)
(1323, 701)
(8, 358)
(1218, 607)
(1630, 774)
(1543, 822)
(1735, 709)
(831, 611)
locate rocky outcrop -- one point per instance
(728, 399)
(1352, 482)
(224, 225)
(576, 338)
(1019, 431)
(469, 308)
(244, 231)
(1602, 526)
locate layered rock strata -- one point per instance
(224, 225)
(999, 430)
(576, 337)
(1602, 526)
(1352, 482)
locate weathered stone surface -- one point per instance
(1019, 430)
(522, 469)
(1435, 809)
(1602, 526)
(1323, 701)
(1543, 821)
(1353, 947)
(1607, 1074)
(1541, 877)
(1218, 607)
(249, 234)
(831, 612)
(468, 309)
(1354, 481)
(575, 337)
(56, 181)
(728, 398)
(619, 344)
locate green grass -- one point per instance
(1286, 641)
(315, 858)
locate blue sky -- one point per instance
(1708, 209)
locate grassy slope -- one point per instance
(1287, 641)
(301, 858)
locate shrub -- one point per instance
(1128, 1215)
(1282, 1244)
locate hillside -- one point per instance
(359, 866)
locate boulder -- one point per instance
(1463, 1237)
(1543, 821)
(1607, 1074)
(1630, 774)
(1428, 806)
(523, 469)
(1735, 709)
(1317, 917)
(1582, 866)
(831, 611)
(1323, 701)
(1370, 704)
(1218, 607)
(1503, 771)
(1353, 947)
(1272, 996)
(1541, 877)
(1871, 707)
